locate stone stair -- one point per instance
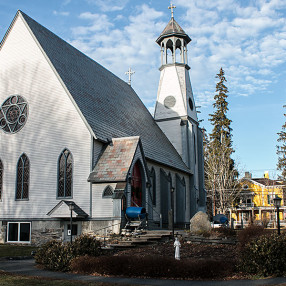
(209, 240)
(145, 238)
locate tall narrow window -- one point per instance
(23, 178)
(65, 166)
(153, 185)
(1, 179)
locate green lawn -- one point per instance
(7, 279)
(7, 250)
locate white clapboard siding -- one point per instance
(102, 207)
(53, 124)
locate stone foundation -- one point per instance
(43, 231)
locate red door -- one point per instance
(136, 186)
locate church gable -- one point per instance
(115, 162)
(51, 123)
(93, 87)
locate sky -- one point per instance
(246, 38)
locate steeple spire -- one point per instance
(172, 38)
(172, 9)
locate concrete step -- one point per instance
(203, 240)
(148, 237)
(122, 245)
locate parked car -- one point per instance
(220, 220)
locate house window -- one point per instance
(19, 232)
(23, 178)
(270, 198)
(108, 192)
(1, 179)
(65, 166)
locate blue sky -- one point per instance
(246, 38)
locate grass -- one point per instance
(8, 250)
(7, 279)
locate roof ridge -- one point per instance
(9, 29)
(66, 42)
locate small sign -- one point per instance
(69, 232)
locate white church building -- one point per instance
(73, 133)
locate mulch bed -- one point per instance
(187, 251)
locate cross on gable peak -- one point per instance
(130, 72)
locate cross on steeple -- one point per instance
(130, 72)
(172, 7)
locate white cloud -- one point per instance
(248, 41)
(58, 13)
(109, 5)
(133, 45)
(98, 23)
(66, 2)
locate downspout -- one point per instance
(188, 145)
(91, 168)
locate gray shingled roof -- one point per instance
(77, 210)
(173, 29)
(110, 106)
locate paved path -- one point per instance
(27, 267)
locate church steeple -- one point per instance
(175, 110)
(172, 38)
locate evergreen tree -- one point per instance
(281, 151)
(220, 169)
(221, 124)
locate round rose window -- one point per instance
(13, 114)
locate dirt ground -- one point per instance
(187, 251)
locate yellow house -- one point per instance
(256, 200)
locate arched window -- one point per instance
(1, 179)
(108, 192)
(65, 176)
(153, 185)
(23, 178)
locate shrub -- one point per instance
(152, 266)
(56, 255)
(86, 245)
(265, 255)
(249, 233)
(226, 231)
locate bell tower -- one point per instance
(175, 110)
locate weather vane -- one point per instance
(130, 72)
(172, 7)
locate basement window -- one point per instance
(19, 232)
